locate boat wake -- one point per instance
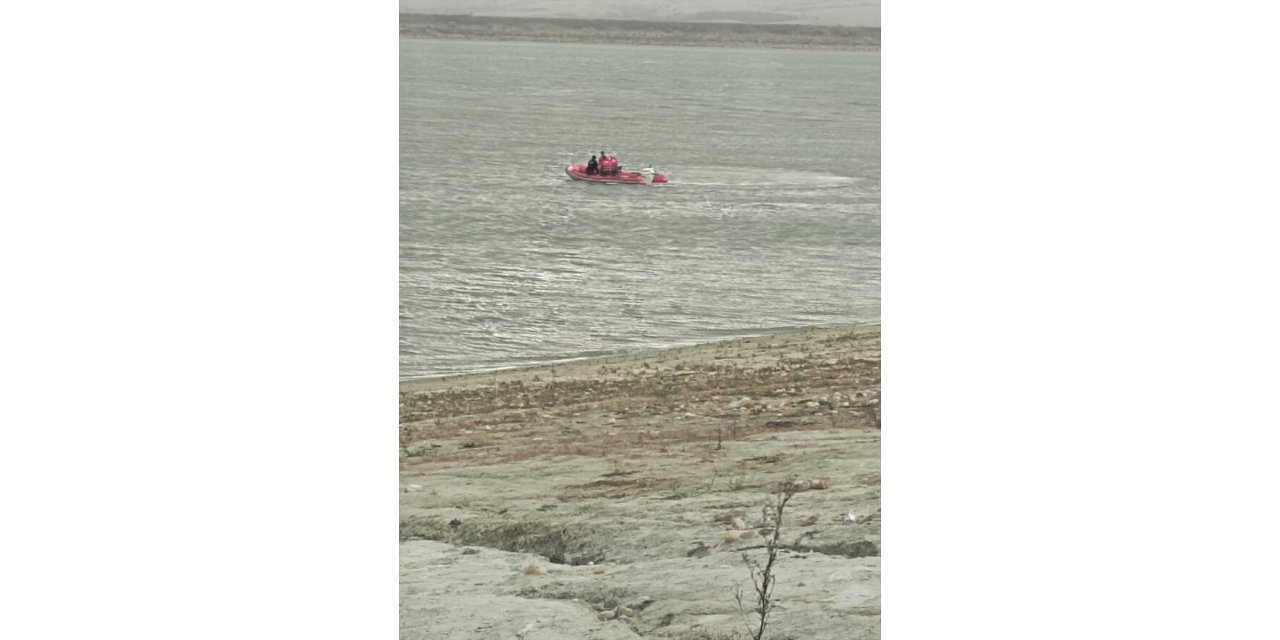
(741, 177)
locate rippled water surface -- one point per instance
(771, 219)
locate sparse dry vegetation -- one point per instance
(763, 578)
(563, 544)
(679, 404)
(633, 481)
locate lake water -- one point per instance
(771, 219)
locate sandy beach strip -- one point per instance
(812, 378)
(750, 351)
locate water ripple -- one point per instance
(772, 219)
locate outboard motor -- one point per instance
(647, 174)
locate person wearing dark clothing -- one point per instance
(592, 166)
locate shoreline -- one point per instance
(605, 43)
(638, 353)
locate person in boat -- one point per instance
(613, 164)
(604, 164)
(592, 166)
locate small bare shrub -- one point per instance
(762, 577)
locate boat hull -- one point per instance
(579, 172)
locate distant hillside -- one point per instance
(846, 13)
(636, 32)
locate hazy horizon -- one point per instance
(860, 13)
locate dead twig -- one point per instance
(763, 577)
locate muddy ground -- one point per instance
(617, 497)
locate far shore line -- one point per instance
(718, 35)
(668, 45)
(571, 365)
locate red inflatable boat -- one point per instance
(644, 176)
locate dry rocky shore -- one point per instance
(616, 497)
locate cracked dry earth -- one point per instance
(616, 497)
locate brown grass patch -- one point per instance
(635, 411)
(495, 449)
(621, 488)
